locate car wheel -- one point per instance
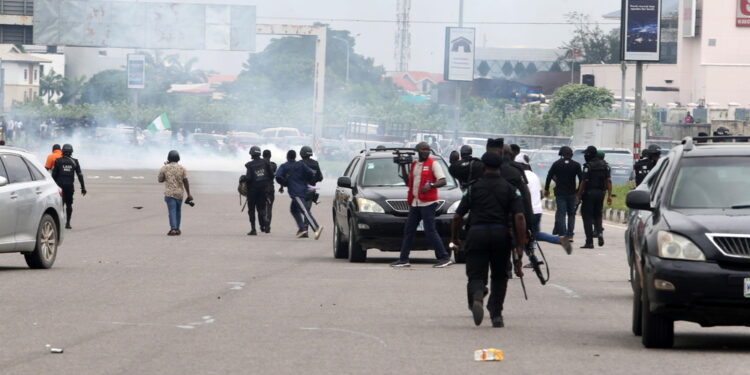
(45, 252)
(356, 253)
(340, 247)
(658, 330)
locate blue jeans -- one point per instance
(426, 215)
(566, 206)
(541, 236)
(174, 206)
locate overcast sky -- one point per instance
(376, 39)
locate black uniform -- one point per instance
(491, 201)
(270, 195)
(466, 171)
(312, 196)
(64, 173)
(258, 178)
(596, 174)
(642, 168)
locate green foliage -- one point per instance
(51, 84)
(595, 46)
(105, 87)
(575, 101)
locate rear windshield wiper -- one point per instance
(741, 206)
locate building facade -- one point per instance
(22, 74)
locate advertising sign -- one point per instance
(642, 25)
(689, 18)
(743, 13)
(459, 54)
(136, 71)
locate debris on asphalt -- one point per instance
(54, 350)
(491, 354)
(138, 207)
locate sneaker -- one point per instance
(318, 232)
(497, 322)
(442, 263)
(477, 308)
(401, 264)
(302, 234)
(172, 232)
(178, 232)
(252, 233)
(601, 240)
(565, 243)
(588, 245)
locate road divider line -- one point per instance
(570, 292)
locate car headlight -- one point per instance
(366, 205)
(674, 246)
(454, 207)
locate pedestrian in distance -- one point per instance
(312, 195)
(64, 172)
(271, 191)
(56, 154)
(259, 178)
(467, 169)
(564, 173)
(535, 188)
(491, 203)
(596, 181)
(643, 167)
(423, 179)
(295, 175)
(176, 185)
(689, 119)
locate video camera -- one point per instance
(403, 157)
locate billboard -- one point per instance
(743, 13)
(642, 26)
(146, 25)
(459, 54)
(136, 71)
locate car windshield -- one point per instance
(619, 160)
(384, 172)
(712, 183)
(545, 157)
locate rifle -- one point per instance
(516, 263)
(536, 264)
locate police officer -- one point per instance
(64, 171)
(596, 179)
(258, 178)
(492, 203)
(647, 162)
(270, 193)
(311, 197)
(467, 169)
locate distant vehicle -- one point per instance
(243, 140)
(477, 144)
(541, 162)
(370, 207)
(212, 142)
(620, 161)
(280, 133)
(31, 209)
(688, 240)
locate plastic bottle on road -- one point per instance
(484, 355)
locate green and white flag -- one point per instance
(160, 123)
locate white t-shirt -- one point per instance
(535, 189)
(437, 171)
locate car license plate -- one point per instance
(747, 287)
(420, 228)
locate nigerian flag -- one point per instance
(160, 123)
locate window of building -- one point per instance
(25, 74)
(36, 74)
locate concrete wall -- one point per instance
(654, 75)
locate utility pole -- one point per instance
(638, 109)
(457, 112)
(624, 68)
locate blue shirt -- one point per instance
(295, 176)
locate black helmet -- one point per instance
(305, 152)
(466, 150)
(255, 151)
(653, 150)
(67, 149)
(590, 153)
(173, 156)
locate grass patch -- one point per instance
(619, 194)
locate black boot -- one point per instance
(252, 232)
(68, 214)
(589, 244)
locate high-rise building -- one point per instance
(16, 21)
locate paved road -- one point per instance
(123, 298)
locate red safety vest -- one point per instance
(427, 175)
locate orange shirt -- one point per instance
(57, 154)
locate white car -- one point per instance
(31, 209)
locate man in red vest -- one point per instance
(423, 179)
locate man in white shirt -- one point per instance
(424, 177)
(535, 188)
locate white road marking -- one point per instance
(186, 327)
(115, 177)
(236, 285)
(367, 335)
(568, 291)
(93, 177)
(137, 177)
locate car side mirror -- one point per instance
(639, 200)
(344, 182)
(3, 181)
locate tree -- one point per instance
(593, 44)
(185, 73)
(106, 86)
(51, 84)
(577, 101)
(72, 88)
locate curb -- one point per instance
(609, 214)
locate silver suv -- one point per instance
(30, 209)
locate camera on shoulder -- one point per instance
(403, 157)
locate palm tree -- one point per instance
(186, 73)
(71, 89)
(51, 84)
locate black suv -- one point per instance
(370, 208)
(688, 239)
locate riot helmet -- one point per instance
(255, 151)
(466, 151)
(173, 156)
(67, 149)
(653, 151)
(305, 152)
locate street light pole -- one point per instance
(347, 56)
(457, 113)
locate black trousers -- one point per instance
(67, 197)
(270, 197)
(256, 202)
(488, 249)
(591, 212)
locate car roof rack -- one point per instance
(690, 142)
